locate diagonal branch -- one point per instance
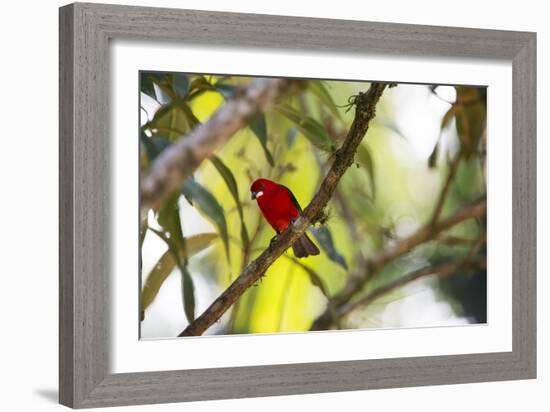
(181, 159)
(343, 159)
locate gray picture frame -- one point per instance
(85, 32)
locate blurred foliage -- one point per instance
(167, 263)
(384, 197)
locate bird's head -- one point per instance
(261, 187)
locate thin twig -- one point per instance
(343, 159)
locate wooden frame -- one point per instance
(85, 31)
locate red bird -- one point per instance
(280, 208)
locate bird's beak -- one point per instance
(256, 195)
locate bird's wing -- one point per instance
(293, 198)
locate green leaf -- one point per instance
(317, 87)
(162, 112)
(188, 293)
(231, 183)
(148, 146)
(169, 219)
(167, 263)
(153, 145)
(164, 91)
(209, 206)
(180, 82)
(174, 120)
(324, 237)
(259, 126)
(432, 160)
(192, 120)
(308, 126)
(198, 86)
(314, 277)
(365, 159)
(445, 121)
(174, 250)
(469, 110)
(146, 85)
(142, 234)
(470, 117)
(226, 90)
(291, 136)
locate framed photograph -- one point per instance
(257, 205)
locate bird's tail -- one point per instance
(304, 247)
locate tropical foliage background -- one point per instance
(425, 147)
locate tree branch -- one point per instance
(443, 269)
(343, 159)
(181, 159)
(428, 232)
(470, 261)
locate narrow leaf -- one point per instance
(188, 293)
(317, 87)
(324, 237)
(180, 83)
(209, 206)
(291, 136)
(259, 127)
(169, 219)
(142, 234)
(198, 86)
(447, 117)
(189, 304)
(470, 117)
(167, 263)
(226, 90)
(192, 120)
(146, 85)
(174, 120)
(163, 87)
(154, 145)
(161, 112)
(432, 160)
(365, 159)
(231, 183)
(308, 126)
(314, 277)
